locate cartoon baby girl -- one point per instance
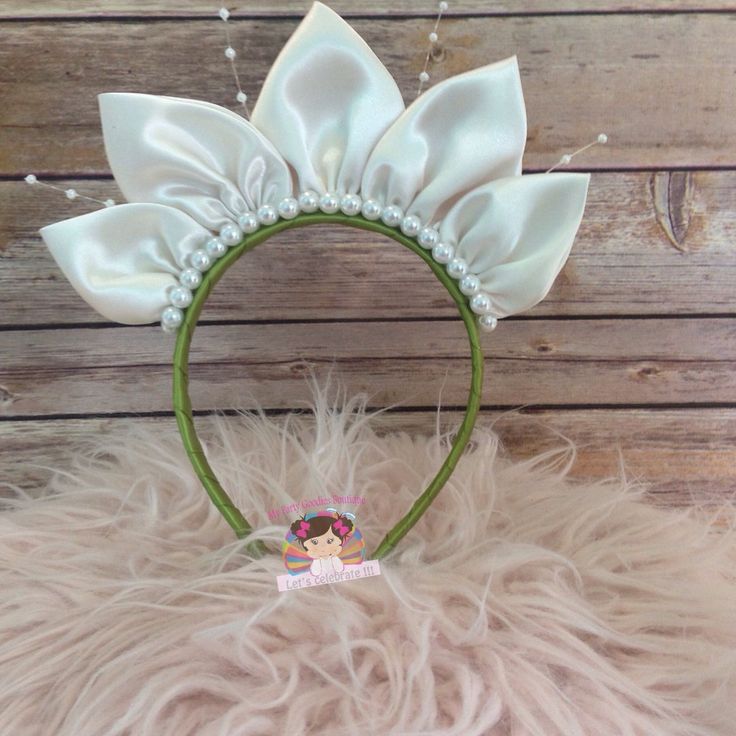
(321, 537)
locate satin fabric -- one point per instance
(329, 118)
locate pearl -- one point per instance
(288, 208)
(443, 252)
(350, 204)
(411, 225)
(480, 303)
(566, 158)
(267, 215)
(224, 13)
(371, 209)
(309, 201)
(423, 77)
(457, 268)
(248, 222)
(71, 193)
(215, 248)
(230, 234)
(329, 203)
(443, 7)
(171, 319)
(433, 37)
(469, 284)
(180, 296)
(487, 322)
(31, 179)
(241, 97)
(200, 260)
(428, 237)
(109, 203)
(230, 53)
(392, 215)
(602, 138)
(190, 277)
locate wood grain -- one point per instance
(623, 261)
(684, 457)
(660, 85)
(546, 362)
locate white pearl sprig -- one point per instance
(567, 157)
(70, 194)
(433, 40)
(231, 55)
(309, 201)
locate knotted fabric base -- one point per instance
(522, 602)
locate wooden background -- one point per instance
(632, 354)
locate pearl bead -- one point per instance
(329, 203)
(309, 201)
(230, 234)
(350, 204)
(288, 208)
(190, 277)
(31, 179)
(248, 222)
(200, 260)
(470, 284)
(411, 225)
(180, 296)
(71, 193)
(241, 97)
(392, 215)
(215, 248)
(487, 322)
(267, 215)
(230, 53)
(371, 209)
(443, 252)
(423, 77)
(565, 158)
(457, 268)
(428, 237)
(109, 203)
(171, 319)
(443, 7)
(480, 303)
(224, 13)
(433, 38)
(602, 138)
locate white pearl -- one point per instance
(443, 7)
(423, 77)
(433, 38)
(109, 203)
(230, 234)
(190, 277)
(487, 322)
(180, 296)
(31, 179)
(171, 319)
(248, 222)
(428, 237)
(480, 303)
(392, 215)
(215, 248)
(350, 204)
(566, 158)
(411, 225)
(200, 260)
(443, 252)
(309, 201)
(71, 193)
(329, 203)
(288, 208)
(224, 13)
(267, 215)
(457, 268)
(469, 284)
(241, 97)
(371, 209)
(230, 53)
(602, 138)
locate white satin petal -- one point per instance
(195, 156)
(123, 259)
(326, 102)
(516, 233)
(457, 135)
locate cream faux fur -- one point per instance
(521, 604)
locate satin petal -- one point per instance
(326, 102)
(459, 134)
(200, 158)
(516, 234)
(122, 260)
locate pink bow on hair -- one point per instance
(304, 528)
(340, 528)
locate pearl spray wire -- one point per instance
(70, 193)
(567, 157)
(231, 55)
(433, 39)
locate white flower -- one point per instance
(329, 119)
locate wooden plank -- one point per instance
(625, 260)
(658, 84)
(347, 8)
(545, 362)
(684, 456)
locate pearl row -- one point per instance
(231, 233)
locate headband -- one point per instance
(329, 141)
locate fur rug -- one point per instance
(521, 604)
